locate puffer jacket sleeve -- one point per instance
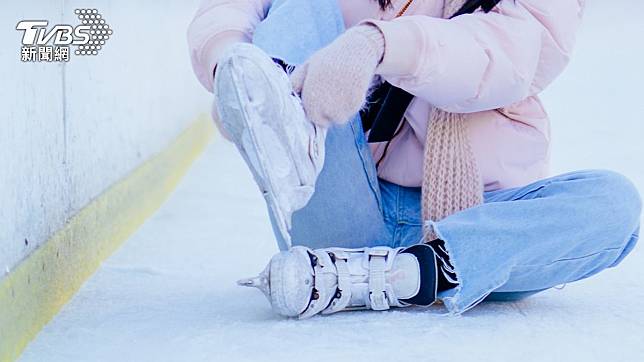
(216, 25)
(481, 61)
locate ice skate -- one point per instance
(302, 282)
(265, 119)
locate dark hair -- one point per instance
(470, 5)
(384, 4)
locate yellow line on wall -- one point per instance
(33, 293)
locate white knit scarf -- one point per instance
(451, 178)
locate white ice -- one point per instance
(169, 293)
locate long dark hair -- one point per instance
(470, 5)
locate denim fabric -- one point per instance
(519, 242)
(292, 31)
(551, 232)
(527, 239)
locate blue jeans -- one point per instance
(519, 242)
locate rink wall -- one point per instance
(88, 148)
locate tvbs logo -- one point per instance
(46, 45)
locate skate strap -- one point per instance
(324, 284)
(360, 280)
(343, 293)
(377, 283)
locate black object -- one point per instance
(282, 64)
(428, 275)
(387, 104)
(445, 267)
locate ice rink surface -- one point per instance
(169, 293)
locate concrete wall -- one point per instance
(69, 131)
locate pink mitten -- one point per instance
(334, 82)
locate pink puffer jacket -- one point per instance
(491, 66)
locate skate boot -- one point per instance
(265, 119)
(302, 282)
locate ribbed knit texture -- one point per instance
(451, 179)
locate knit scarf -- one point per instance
(451, 179)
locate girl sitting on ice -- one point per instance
(402, 149)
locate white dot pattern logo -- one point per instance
(99, 33)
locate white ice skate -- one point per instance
(265, 119)
(302, 282)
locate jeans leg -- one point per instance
(294, 29)
(401, 208)
(548, 233)
(345, 210)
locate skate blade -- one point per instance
(260, 282)
(253, 282)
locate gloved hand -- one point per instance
(334, 82)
